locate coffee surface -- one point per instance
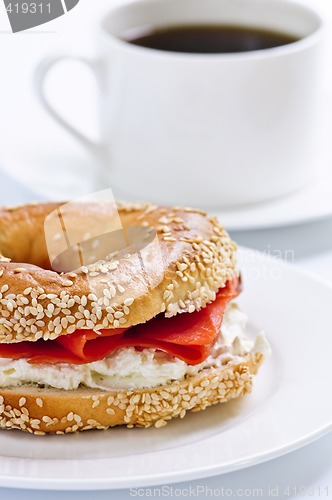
(210, 39)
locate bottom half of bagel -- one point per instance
(131, 387)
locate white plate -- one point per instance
(289, 407)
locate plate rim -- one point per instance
(102, 484)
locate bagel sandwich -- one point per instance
(133, 338)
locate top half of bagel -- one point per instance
(181, 260)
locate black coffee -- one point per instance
(210, 39)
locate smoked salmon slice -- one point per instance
(189, 337)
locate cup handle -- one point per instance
(40, 76)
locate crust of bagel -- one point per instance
(196, 259)
(48, 411)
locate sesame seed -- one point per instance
(46, 419)
(167, 295)
(181, 266)
(64, 323)
(20, 270)
(35, 423)
(160, 423)
(58, 329)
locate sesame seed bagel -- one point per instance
(43, 410)
(192, 259)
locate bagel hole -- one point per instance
(108, 246)
(28, 255)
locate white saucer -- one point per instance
(290, 405)
(312, 202)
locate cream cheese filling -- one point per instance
(127, 368)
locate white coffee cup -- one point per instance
(205, 129)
